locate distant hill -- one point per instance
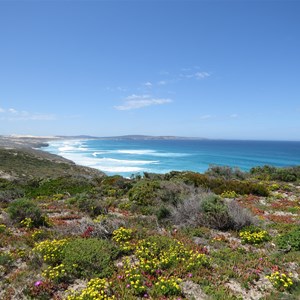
(26, 164)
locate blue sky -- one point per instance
(214, 69)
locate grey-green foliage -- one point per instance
(88, 258)
(207, 209)
(23, 208)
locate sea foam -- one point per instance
(125, 157)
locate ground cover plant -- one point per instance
(225, 234)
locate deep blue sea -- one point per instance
(127, 157)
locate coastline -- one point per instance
(20, 157)
(129, 156)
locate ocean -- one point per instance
(127, 157)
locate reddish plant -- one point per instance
(87, 232)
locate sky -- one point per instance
(212, 69)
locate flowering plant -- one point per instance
(280, 281)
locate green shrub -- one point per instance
(88, 258)
(274, 187)
(229, 194)
(144, 192)
(219, 185)
(168, 286)
(266, 172)
(163, 213)
(215, 212)
(290, 241)
(3, 228)
(62, 185)
(225, 172)
(87, 204)
(116, 186)
(22, 209)
(5, 259)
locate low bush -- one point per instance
(229, 194)
(22, 209)
(240, 217)
(8, 195)
(187, 213)
(254, 235)
(220, 185)
(88, 258)
(6, 259)
(207, 209)
(226, 172)
(168, 286)
(215, 213)
(116, 186)
(266, 172)
(144, 192)
(201, 209)
(51, 251)
(86, 203)
(162, 213)
(173, 191)
(48, 187)
(290, 240)
(280, 281)
(96, 289)
(163, 253)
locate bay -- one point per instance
(127, 157)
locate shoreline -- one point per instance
(37, 146)
(32, 146)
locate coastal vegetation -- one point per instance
(69, 232)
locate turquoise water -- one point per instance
(127, 157)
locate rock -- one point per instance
(254, 293)
(200, 241)
(193, 291)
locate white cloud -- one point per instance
(201, 75)
(140, 101)
(12, 110)
(12, 114)
(162, 82)
(186, 69)
(148, 84)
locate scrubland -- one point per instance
(68, 232)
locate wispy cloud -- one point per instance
(12, 111)
(116, 89)
(205, 117)
(193, 72)
(148, 84)
(12, 114)
(234, 116)
(201, 75)
(196, 75)
(140, 101)
(162, 82)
